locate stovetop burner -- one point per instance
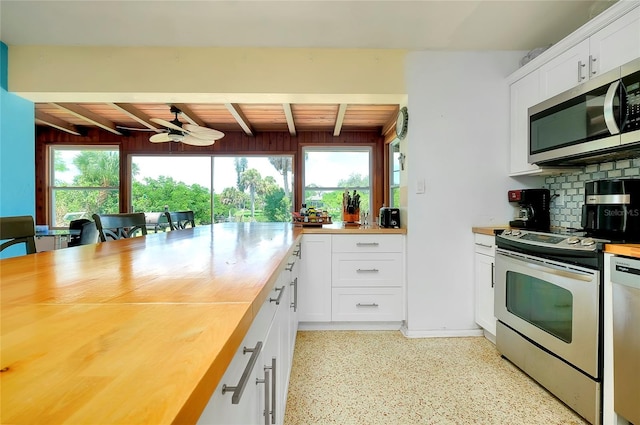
(557, 239)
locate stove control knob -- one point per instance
(573, 240)
(506, 232)
(587, 242)
(515, 233)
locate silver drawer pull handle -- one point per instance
(367, 305)
(265, 381)
(239, 389)
(277, 300)
(484, 245)
(367, 270)
(290, 266)
(367, 244)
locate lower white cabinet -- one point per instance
(314, 286)
(484, 282)
(253, 389)
(379, 304)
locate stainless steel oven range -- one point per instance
(549, 306)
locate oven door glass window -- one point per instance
(543, 304)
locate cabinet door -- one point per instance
(484, 282)
(524, 93)
(565, 71)
(314, 285)
(616, 44)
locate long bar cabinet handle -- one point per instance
(484, 245)
(580, 76)
(367, 305)
(239, 389)
(273, 390)
(265, 381)
(367, 270)
(592, 68)
(493, 274)
(367, 244)
(277, 300)
(290, 266)
(294, 304)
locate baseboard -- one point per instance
(349, 326)
(444, 333)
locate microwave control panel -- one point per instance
(632, 88)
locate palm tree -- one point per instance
(283, 165)
(252, 179)
(241, 166)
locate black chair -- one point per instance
(118, 226)
(180, 219)
(88, 232)
(18, 229)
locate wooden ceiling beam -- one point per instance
(289, 115)
(391, 124)
(88, 116)
(235, 110)
(189, 115)
(135, 114)
(339, 119)
(51, 121)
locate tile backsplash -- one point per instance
(566, 209)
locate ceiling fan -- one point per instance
(189, 134)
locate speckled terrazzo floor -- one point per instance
(381, 377)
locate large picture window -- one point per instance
(83, 181)
(328, 172)
(216, 188)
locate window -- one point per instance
(84, 181)
(328, 172)
(394, 174)
(215, 188)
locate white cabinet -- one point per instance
(314, 284)
(524, 94)
(616, 44)
(253, 389)
(367, 278)
(612, 46)
(484, 282)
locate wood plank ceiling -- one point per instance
(117, 118)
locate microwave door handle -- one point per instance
(609, 118)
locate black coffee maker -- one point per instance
(532, 211)
(611, 209)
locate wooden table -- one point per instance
(132, 331)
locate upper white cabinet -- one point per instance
(608, 41)
(612, 46)
(524, 94)
(616, 44)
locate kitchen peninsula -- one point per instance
(138, 330)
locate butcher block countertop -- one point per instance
(488, 230)
(629, 250)
(342, 228)
(133, 331)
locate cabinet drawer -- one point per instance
(485, 244)
(366, 269)
(367, 243)
(366, 304)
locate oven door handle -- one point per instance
(536, 264)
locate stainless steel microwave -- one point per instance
(596, 121)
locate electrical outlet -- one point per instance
(559, 200)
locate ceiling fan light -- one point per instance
(175, 137)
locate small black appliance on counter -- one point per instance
(532, 210)
(389, 217)
(611, 209)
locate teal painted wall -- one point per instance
(17, 153)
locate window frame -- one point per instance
(348, 148)
(52, 188)
(392, 170)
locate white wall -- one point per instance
(458, 144)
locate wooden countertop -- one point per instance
(629, 250)
(489, 230)
(132, 331)
(341, 228)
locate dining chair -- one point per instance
(180, 219)
(16, 230)
(88, 232)
(119, 226)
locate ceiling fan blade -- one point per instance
(137, 128)
(166, 124)
(204, 133)
(160, 138)
(194, 141)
